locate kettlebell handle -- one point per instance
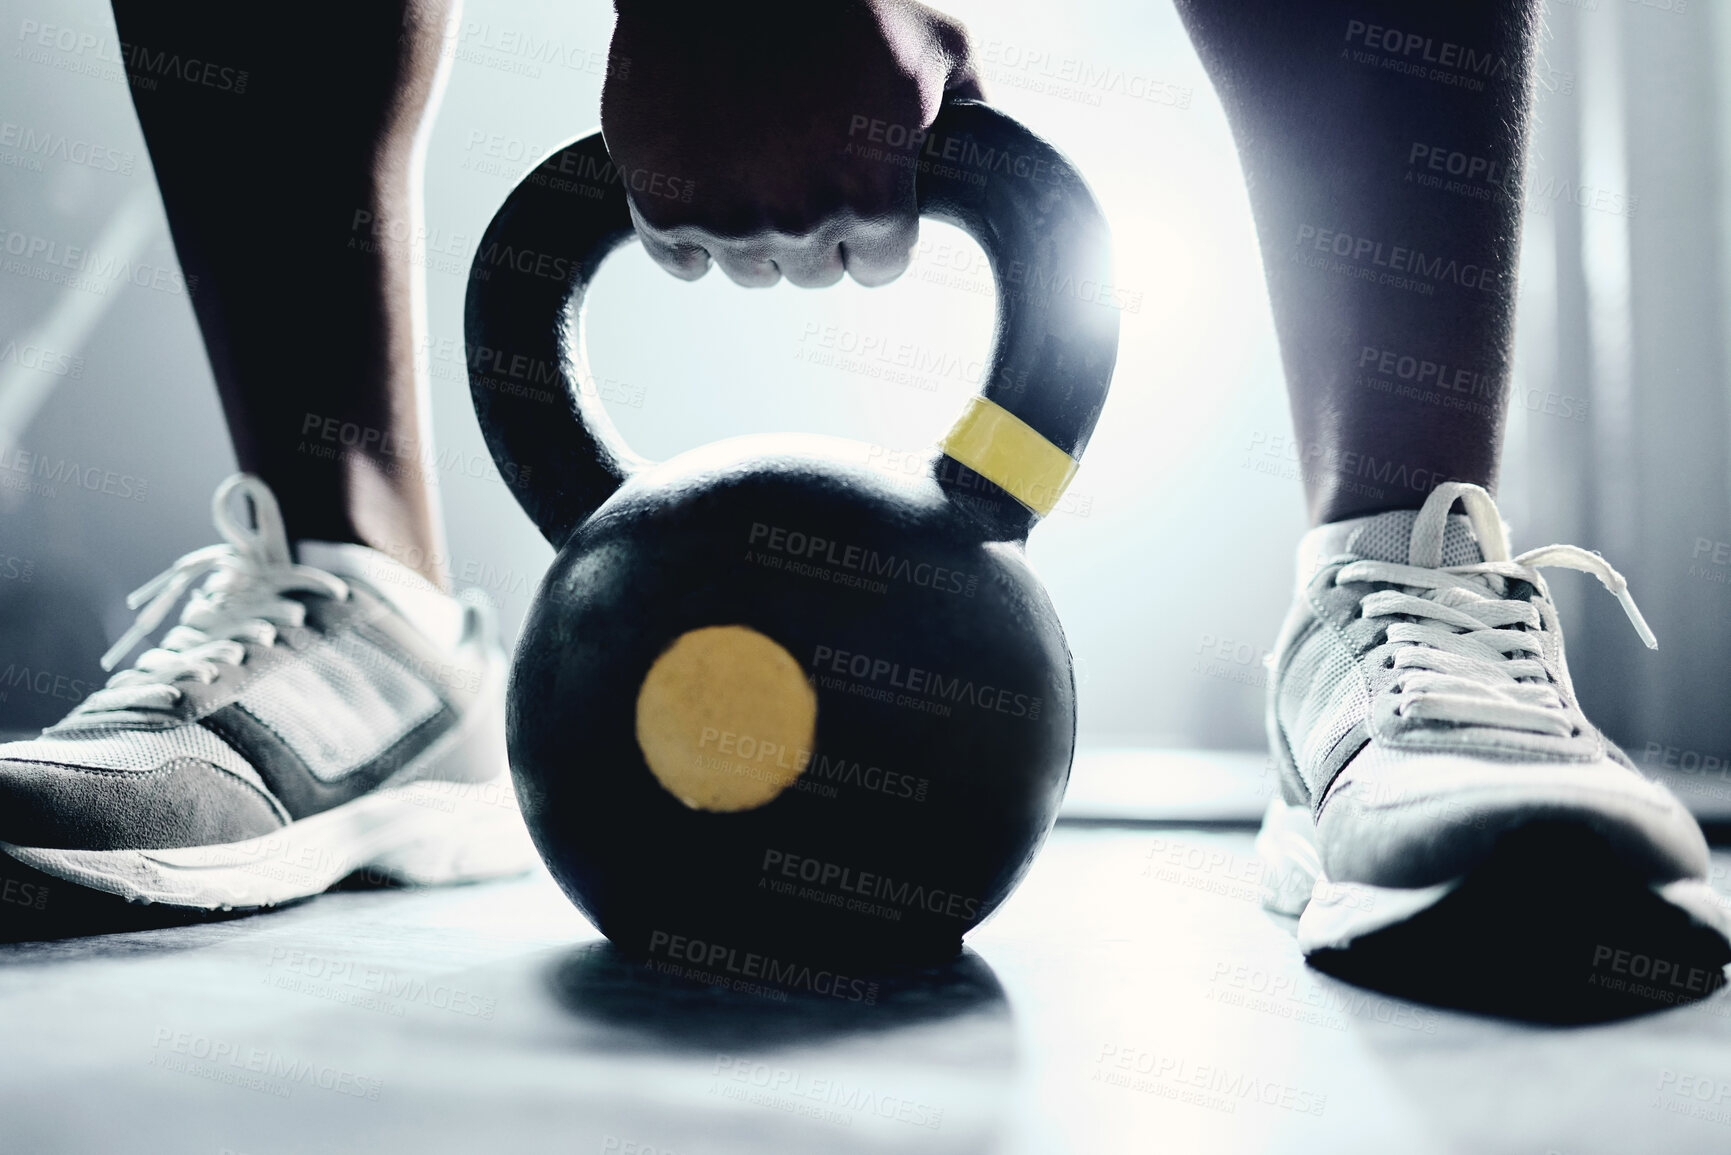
(1016, 445)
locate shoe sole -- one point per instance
(1330, 914)
(427, 826)
(1551, 927)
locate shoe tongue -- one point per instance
(1384, 537)
(1388, 536)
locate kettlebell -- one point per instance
(771, 705)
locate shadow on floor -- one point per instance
(675, 1007)
(1552, 928)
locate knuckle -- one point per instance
(958, 42)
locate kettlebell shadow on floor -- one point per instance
(691, 1007)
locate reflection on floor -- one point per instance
(1131, 997)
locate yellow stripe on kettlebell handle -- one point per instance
(1011, 454)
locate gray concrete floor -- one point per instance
(1131, 997)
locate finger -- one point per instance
(957, 47)
(878, 257)
(750, 270)
(965, 85)
(684, 259)
(811, 264)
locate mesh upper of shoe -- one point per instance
(1387, 537)
(134, 749)
(284, 691)
(340, 703)
(1421, 691)
(1319, 700)
(1462, 652)
(337, 703)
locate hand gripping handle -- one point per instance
(1012, 451)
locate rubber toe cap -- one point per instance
(1404, 819)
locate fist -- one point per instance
(778, 137)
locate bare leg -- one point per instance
(1382, 143)
(279, 185)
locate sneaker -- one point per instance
(302, 722)
(1435, 764)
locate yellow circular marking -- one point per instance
(725, 719)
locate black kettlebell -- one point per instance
(769, 705)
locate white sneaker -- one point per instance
(303, 721)
(1421, 713)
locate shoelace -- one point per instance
(242, 600)
(1469, 654)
